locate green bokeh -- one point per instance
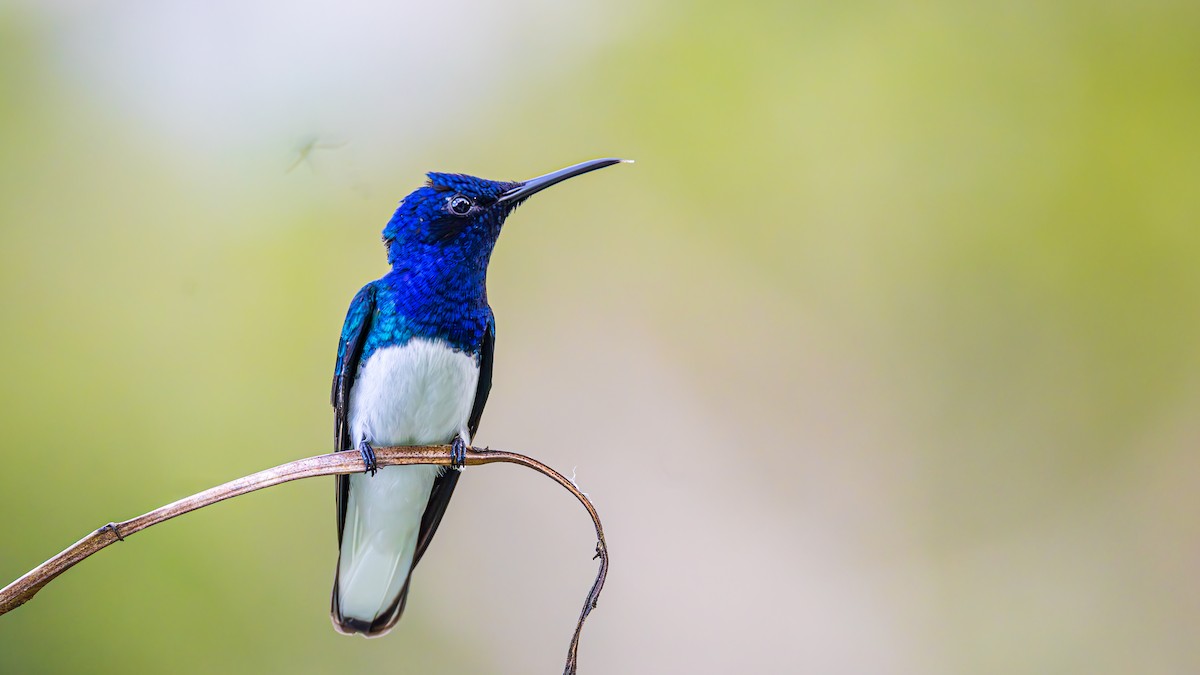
(947, 252)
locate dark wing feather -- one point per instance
(485, 376)
(350, 347)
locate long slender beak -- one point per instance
(534, 185)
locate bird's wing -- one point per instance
(485, 376)
(350, 346)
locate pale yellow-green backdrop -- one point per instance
(884, 357)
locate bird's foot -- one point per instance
(368, 457)
(458, 453)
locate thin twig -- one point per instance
(20, 591)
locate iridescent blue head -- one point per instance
(455, 219)
(439, 242)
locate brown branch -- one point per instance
(20, 591)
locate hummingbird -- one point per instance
(414, 367)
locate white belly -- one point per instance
(417, 394)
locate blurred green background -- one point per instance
(883, 358)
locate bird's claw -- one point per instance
(368, 457)
(458, 453)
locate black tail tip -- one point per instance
(347, 625)
(350, 626)
(380, 625)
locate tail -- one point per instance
(380, 531)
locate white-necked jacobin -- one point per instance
(414, 367)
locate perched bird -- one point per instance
(414, 367)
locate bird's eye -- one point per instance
(460, 205)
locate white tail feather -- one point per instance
(383, 519)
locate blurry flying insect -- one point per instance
(306, 147)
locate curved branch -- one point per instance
(20, 591)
